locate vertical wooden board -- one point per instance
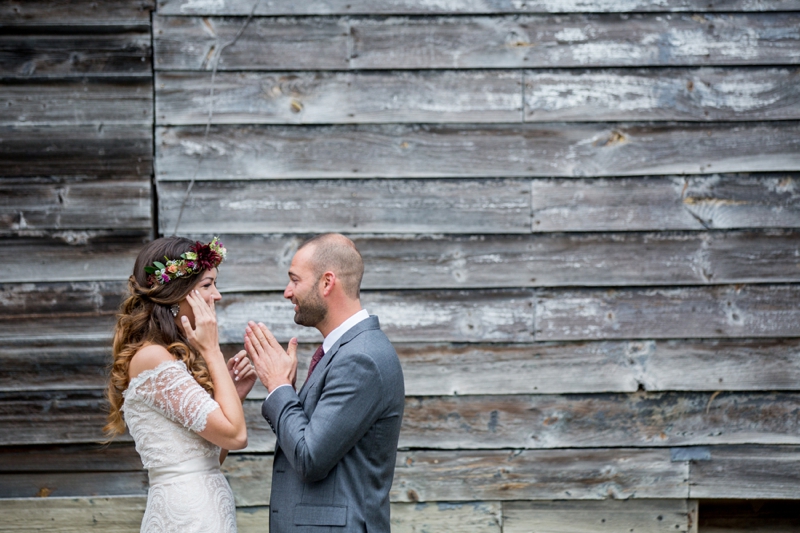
(97, 50)
(711, 312)
(468, 517)
(80, 255)
(644, 516)
(668, 203)
(83, 150)
(331, 98)
(461, 316)
(90, 100)
(552, 150)
(718, 365)
(73, 515)
(414, 7)
(424, 476)
(192, 43)
(747, 472)
(75, 12)
(91, 205)
(443, 369)
(612, 40)
(364, 205)
(702, 94)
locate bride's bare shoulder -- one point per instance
(148, 357)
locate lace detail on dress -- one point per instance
(164, 408)
(172, 390)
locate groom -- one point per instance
(337, 437)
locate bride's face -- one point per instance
(206, 287)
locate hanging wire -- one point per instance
(204, 144)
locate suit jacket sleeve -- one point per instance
(348, 406)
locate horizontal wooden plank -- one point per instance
(378, 206)
(649, 516)
(466, 369)
(538, 475)
(730, 94)
(494, 475)
(547, 150)
(191, 43)
(27, 207)
(82, 150)
(749, 472)
(124, 515)
(75, 12)
(558, 368)
(78, 51)
(411, 7)
(705, 94)
(435, 262)
(113, 457)
(675, 202)
(74, 515)
(71, 256)
(334, 97)
(462, 316)
(710, 312)
(53, 417)
(40, 301)
(479, 422)
(600, 420)
(612, 40)
(70, 102)
(560, 260)
(76, 327)
(521, 41)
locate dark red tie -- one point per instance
(314, 360)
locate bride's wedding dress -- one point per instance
(164, 408)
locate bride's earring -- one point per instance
(175, 309)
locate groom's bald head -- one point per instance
(336, 253)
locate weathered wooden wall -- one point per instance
(581, 225)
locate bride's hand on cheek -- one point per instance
(204, 336)
(242, 373)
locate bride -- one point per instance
(171, 386)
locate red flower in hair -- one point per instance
(207, 257)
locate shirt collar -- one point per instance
(345, 326)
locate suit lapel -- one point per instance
(364, 325)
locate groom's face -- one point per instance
(303, 290)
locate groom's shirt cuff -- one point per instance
(276, 388)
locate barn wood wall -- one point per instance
(579, 219)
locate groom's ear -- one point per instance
(328, 281)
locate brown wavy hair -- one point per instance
(145, 318)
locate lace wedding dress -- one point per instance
(164, 408)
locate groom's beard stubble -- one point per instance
(310, 311)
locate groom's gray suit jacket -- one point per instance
(337, 438)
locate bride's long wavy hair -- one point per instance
(145, 318)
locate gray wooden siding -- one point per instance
(579, 220)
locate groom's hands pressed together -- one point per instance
(274, 365)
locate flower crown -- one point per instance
(200, 257)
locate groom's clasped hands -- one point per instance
(274, 365)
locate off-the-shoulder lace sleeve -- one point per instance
(172, 390)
